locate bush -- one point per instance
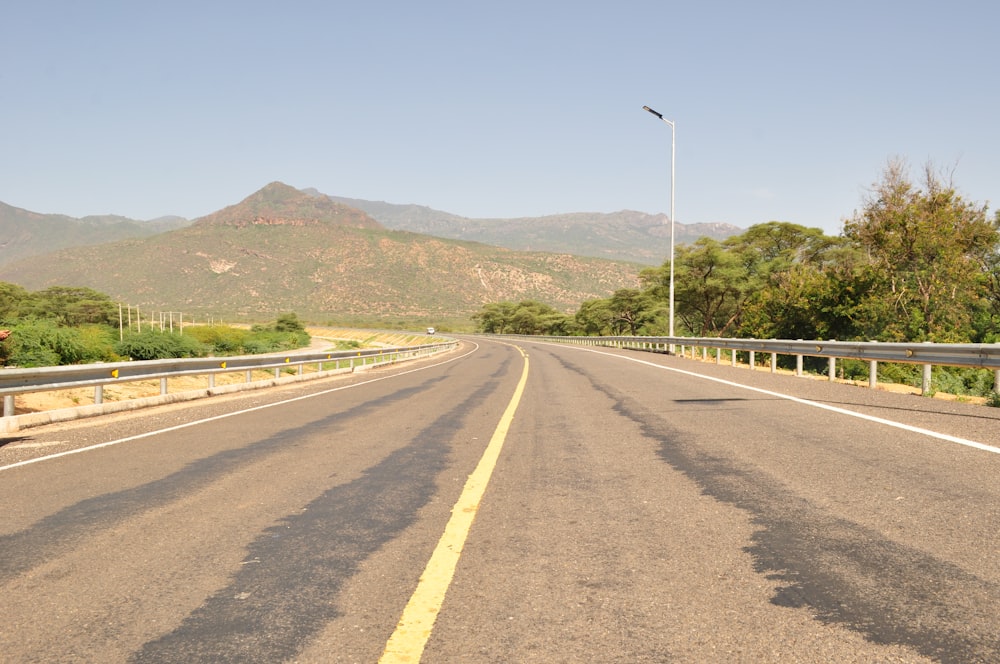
(221, 339)
(963, 381)
(265, 341)
(98, 342)
(43, 343)
(156, 345)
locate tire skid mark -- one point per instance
(287, 590)
(845, 572)
(23, 550)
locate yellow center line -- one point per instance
(414, 627)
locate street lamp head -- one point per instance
(647, 108)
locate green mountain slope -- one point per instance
(275, 252)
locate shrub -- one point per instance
(98, 343)
(156, 345)
(43, 343)
(221, 339)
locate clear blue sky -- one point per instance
(784, 110)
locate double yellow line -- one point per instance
(414, 628)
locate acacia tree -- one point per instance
(72, 305)
(594, 318)
(710, 287)
(796, 272)
(630, 309)
(525, 317)
(495, 317)
(927, 256)
(12, 300)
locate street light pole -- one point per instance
(673, 153)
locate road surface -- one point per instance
(510, 503)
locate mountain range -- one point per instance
(286, 250)
(626, 235)
(24, 234)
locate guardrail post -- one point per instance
(718, 356)
(163, 385)
(925, 380)
(872, 374)
(98, 394)
(833, 369)
(774, 363)
(8, 405)
(249, 375)
(732, 357)
(798, 366)
(211, 380)
(996, 380)
(753, 359)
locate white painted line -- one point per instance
(119, 441)
(806, 402)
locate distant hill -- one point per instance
(625, 235)
(282, 250)
(281, 205)
(24, 234)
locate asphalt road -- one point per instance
(628, 507)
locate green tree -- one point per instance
(594, 318)
(73, 306)
(630, 310)
(525, 317)
(711, 284)
(495, 317)
(289, 323)
(794, 276)
(532, 317)
(13, 300)
(928, 254)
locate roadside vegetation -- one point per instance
(64, 325)
(916, 263)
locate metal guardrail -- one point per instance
(45, 379)
(980, 356)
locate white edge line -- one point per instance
(843, 411)
(119, 441)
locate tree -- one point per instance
(711, 283)
(631, 309)
(13, 299)
(289, 323)
(594, 318)
(525, 317)
(927, 254)
(72, 306)
(495, 317)
(792, 269)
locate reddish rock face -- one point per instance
(278, 204)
